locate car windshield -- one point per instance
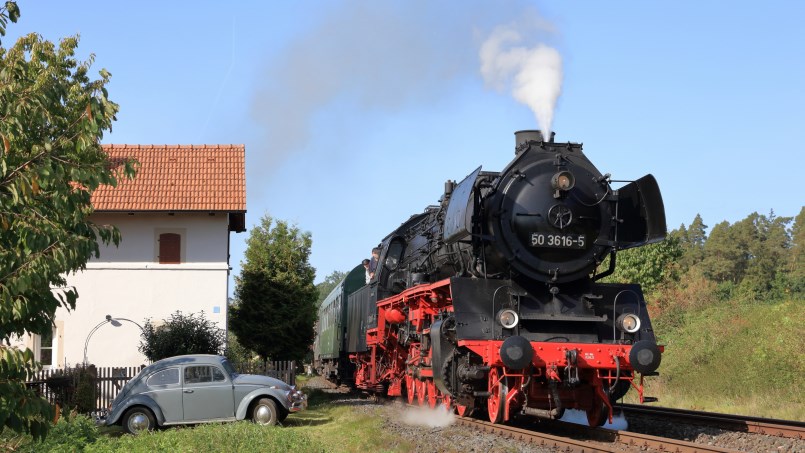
(228, 367)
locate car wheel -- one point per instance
(265, 412)
(138, 419)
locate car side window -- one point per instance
(197, 374)
(164, 377)
(217, 375)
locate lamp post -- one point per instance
(109, 319)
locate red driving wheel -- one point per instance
(421, 393)
(447, 402)
(432, 397)
(498, 389)
(410, 388)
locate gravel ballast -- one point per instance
(434, 430)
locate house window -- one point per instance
(170, 248)
(46, 348)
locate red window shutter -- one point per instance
(170, 248)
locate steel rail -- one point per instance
(756, 425)
(567, 444)
(603, 440)
(642, 441)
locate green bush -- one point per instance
(181, 334)
(85, 391)
(73, 432)
(241, 436)
(74, 388)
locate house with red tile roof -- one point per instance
(175, 218)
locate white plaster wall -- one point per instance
(128, 282)
(206, 240)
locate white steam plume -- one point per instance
(438, 417)
(533, 74)
(366, 57)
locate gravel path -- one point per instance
(432, 430)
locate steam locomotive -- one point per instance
(492, 300)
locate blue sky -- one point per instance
(355, 113)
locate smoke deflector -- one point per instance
(641, 213)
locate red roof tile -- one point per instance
(178, 178)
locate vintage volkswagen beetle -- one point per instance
(197, 389)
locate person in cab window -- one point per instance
(365, 263)
(373, 262)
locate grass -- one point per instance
(736, 358)
(324, 427)
(342, 429)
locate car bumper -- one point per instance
(298, 402)
(101, 418)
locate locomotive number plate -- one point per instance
(562, 241)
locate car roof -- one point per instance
(200, 359)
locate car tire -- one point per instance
(265, 412)
(282, 414)
(138, 419)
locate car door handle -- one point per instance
(188, 391)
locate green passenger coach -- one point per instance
(329, 345)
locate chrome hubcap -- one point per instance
(262, 415)
(138, 422)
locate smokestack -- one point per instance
(527, 136)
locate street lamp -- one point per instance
(109, 319)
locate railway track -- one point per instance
(571, 437)
(740, 423)
(594, 439)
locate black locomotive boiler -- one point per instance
(492, 300)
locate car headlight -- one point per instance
(508, 318)
(295, 396)
(628, 322)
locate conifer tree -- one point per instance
(275, 298)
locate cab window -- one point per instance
(394, 254)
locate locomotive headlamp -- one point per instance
(508, 318)
(564, 180)
(628, 322)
